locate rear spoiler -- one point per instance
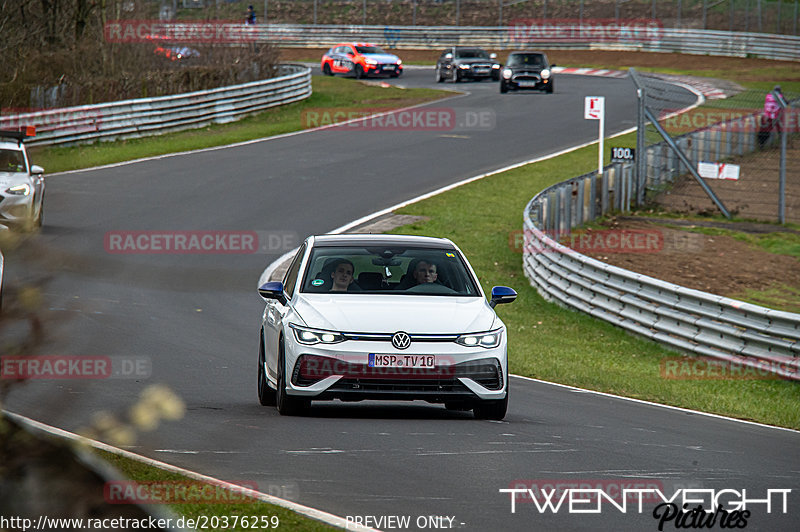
(19, 136)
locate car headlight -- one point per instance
(487, 340)
(507, 73)
(495, 65)
(370, 61)
(399, 61)
(19, 190)
(545, 73)
(463, 66)
(308, 336)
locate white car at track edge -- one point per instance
(386, 317)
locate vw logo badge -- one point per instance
(401, 340)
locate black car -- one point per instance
(458, 63)
(527, 70)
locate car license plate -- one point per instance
(482, 70)
(377, 360)
(527, 83)
(388, 67)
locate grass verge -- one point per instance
(331, 94)
(247, 515)
(555, 344)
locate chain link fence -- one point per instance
(762, 16)
(734, 144)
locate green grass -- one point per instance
(328, 94)
(252, 510)
(560, 345)
(779, 243)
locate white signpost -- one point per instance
(594, 109)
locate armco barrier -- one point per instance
(153, 116)
(686, 319)
(672, 40)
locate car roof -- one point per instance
(527, 52)
(8, 145)
(355, 44)
(382, 240)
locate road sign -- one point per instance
(594, 107)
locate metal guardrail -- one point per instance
(152, 116)
(683, 318)
(673, 40)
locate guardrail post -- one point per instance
(592, 197)
(604, 194)
(566, 192)
(579, 209)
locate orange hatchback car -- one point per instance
(360, 60)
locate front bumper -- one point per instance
(386, 70)
(16, 209)
(342, 371)
(528, 83)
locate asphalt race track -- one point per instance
(195, 318)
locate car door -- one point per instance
(342, 62)
(275, 313)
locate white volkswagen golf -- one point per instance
(382, 317)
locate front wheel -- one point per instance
(550, 87)
(359, 72)
(438, 75)
(503, 87)
(494, 409)
(266, 395)
(326, 69)
(287, 405)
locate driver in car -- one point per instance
(425, 272)
(342, 276)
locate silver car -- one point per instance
(21, 184)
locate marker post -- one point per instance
(594, 109)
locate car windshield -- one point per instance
(369, 50)
(535, 60)
(11, 161)
(469, 53)
(389, 270)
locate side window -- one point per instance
(290, 279)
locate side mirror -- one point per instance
(493, 56)
(502, 294)
(551, 66)
(448, 56)
(273, 290)
(36, 170)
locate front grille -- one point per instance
(311, 369)
(527, 76)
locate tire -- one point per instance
(287, 405)
(39, 220)
(359, 72)
(266, 395)
(495, 76)
(456, 75)
(326, 69)
(439, 77)
(503, 87)
(550, 87)
(494, 410)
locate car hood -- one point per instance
(382, 58)
(8, 179)
(415, 314)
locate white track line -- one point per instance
(307, 511)
(670, 407)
